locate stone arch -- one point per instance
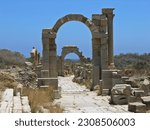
(80, 18)
(101, 27)
(71, 49)
(49, 36)
(65, 51)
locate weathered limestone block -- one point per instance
(51, 82)
(96, 17)
(103, 22)
(134, 99)
(107, 10)
(138, 93)
(146, 101)
(137, 107)
(25, 104)
(17, 107)
(24, 100)
(120, 94)
(124, 78)
(44, 73)
(96, 22)
(19, 89)
(119, 99)
(121, 89)
(107, 77)
(48, 33)
(146, 82)
(117, 78)
(146, 87)
(26, 109)
(7, 101)
(94, 29)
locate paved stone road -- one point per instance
(78, 99)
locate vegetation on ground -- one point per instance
(41, 98)
(8, 58)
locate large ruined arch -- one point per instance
(101, 28)
(49, 47)
(96, 41)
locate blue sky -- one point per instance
(22, 21)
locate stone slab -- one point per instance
(7, 101)
(137, 107)
(146, 101)
(119, 99)
(138, 93)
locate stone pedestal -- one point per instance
(51, 82)
(107, 78)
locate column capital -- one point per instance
(110, 16)
(108, 10)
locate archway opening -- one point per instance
(70, 61)
(77, 34)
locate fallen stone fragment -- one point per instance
(137, 107)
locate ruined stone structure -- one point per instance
(101, 27)
(65, 51)
(35, 56)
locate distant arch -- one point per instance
(71, 49)
(65, 51)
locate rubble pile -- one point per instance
(83, 74)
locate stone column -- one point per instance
(109, 14)
(104, 42)
(104, 53)
(45, 53)
(96, 74)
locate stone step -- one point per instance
(7, 101)
(14, 104)
(25, 105)
(17, 106)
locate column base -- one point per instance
(107, 79)
(51, 82)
